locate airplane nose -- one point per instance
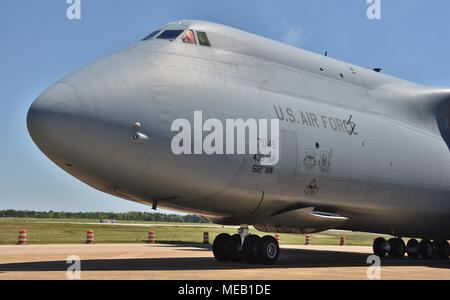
(55, 119)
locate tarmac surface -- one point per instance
(196, 262)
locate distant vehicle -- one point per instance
(359, 150)
(108, 221)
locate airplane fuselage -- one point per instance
(358, 150)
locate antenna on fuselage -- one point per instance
(378, 70)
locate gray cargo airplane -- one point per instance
(359, 150)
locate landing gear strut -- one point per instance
(426, 249)
(246, 247)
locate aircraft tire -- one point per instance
(268, 250)
(426, 249)
(442, 249)
(221, 247)
(379, 247)
(397, 248)
(413, 249)
(236, 253)
(250, 249)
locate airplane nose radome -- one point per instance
(55, 119)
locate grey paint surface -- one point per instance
(392, 175)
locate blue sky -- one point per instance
(39, 45)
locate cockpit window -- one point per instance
(189, 37)
(170, 34)
(203, 39)
(152, 35)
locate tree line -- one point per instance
(128, 216)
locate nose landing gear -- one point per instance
(426, 249)
(246, 247)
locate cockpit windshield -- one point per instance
(152, 35)
(189, 37)
(170, 34)
(203, 39)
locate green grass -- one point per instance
(85, 221)
(69, 231)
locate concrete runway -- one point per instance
(140, 261)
